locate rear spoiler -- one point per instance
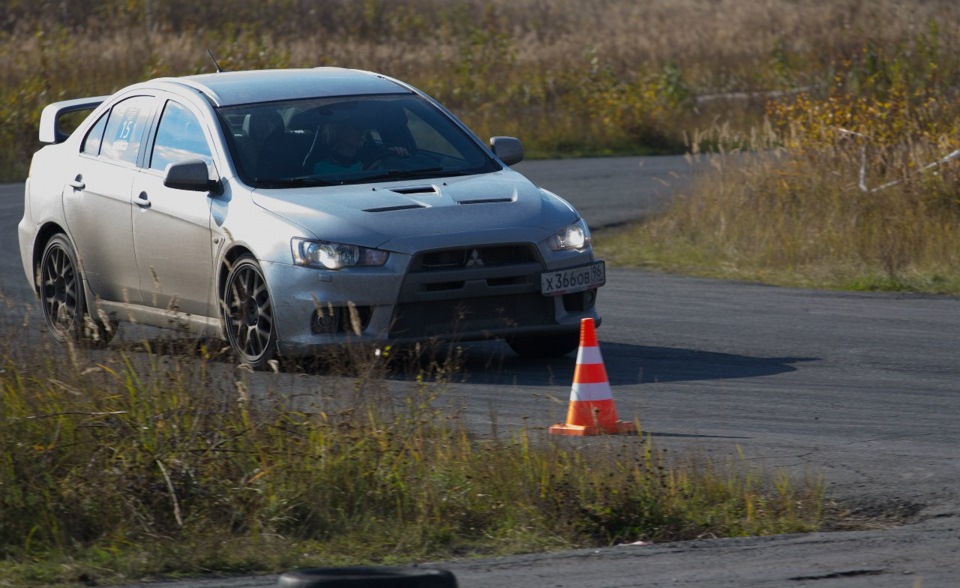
(50, 131)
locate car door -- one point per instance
(97, 203)
(171, 228)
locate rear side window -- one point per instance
(126, 127)
(91, 143)
(179, 137)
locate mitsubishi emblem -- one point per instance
(474, 258)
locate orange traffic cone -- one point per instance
(591, 409)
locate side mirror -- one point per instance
(192, 175)
(508, 149)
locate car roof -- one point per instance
(246, 87)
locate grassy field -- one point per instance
(855, 188)
(569, 78)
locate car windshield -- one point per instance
(348, 140)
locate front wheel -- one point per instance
(62, 297)
(544, 345)
(248, 314)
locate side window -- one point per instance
(91, 143)
(179, 137)
(126, 127)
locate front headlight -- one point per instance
(324, 254)
(575, 236)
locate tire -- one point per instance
(545, 345)
(368, 577)
(247, 314)
(62, 297)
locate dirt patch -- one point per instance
(870, 513)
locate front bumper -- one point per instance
(407, 300)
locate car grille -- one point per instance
(486, 256)
(472, 291)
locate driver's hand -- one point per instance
(399, 151)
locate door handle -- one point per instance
(143, 201)
(77, 183)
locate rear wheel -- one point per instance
(545, 345)
(248, 314)
(62, 297)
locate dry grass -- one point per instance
(123, 464)
(576, 77)
(857, 188)
(791, 223)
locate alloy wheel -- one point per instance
(61, 290)
(249, 316)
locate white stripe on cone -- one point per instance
(591, 392)
(588, 355)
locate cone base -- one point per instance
(617, 428)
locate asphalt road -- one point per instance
(610, 191)
(860, 389)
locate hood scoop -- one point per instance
(406, 191)
(484, 196)
(486, 200)
(430, 189)
(394, 208)
(416, 190)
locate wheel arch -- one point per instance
(44, 234)
(226, 264)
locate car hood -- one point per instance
(412, 215)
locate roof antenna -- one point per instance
(214, 60)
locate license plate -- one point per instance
(575, 279)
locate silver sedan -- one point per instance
(289, 210)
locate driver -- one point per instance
(348, 151)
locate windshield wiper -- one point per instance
(296, 182)
(402, 173)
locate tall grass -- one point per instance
(117, 465)
(793, 223)
(855, 189)
(569, 78)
